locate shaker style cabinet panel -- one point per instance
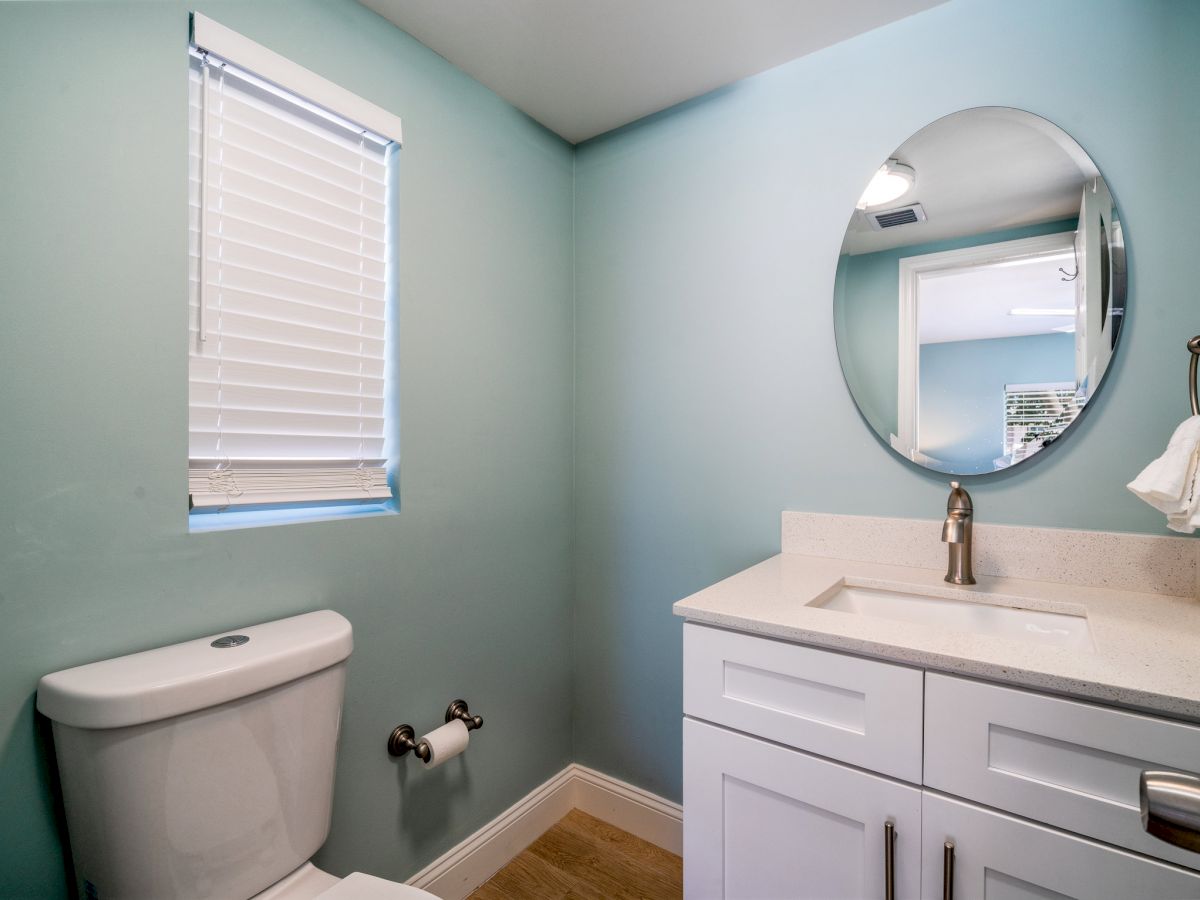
(999, 857)
(860, 711)
(771, 811)
(1070, 764)
(763, 822)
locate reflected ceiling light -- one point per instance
(890, 183)
(1031, 311)
(1065, 329)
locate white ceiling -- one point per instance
(583, 67)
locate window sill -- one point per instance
(202, 522)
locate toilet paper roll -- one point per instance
(446, 742)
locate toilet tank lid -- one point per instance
(182, 678)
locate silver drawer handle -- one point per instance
(1171, 807)
(948, 871)
(889, 860)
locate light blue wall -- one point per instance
(962, 392)
(466, 592)
(708, 391)
(866, 317)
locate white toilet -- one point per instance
(205, 769)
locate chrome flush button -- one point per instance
(230, 640)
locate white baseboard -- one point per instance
(630, 808)
(465, 867)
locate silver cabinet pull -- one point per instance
(889, 860)
(1171, 807)
(948, 871)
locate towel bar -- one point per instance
(1194, 346)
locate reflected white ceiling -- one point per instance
(982, 170)
(974, 304)
(583, 67)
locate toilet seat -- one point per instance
(360, 886)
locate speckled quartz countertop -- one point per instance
(1147, 646)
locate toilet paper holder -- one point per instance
(403, 738)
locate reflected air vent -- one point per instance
(900, 215)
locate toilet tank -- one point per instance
(204, 769)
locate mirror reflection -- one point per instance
(980, 290)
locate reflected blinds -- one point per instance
(287, 309)
(1036, 414)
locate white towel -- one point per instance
(1169, 484)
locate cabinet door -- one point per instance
(1003, 858)
(763, 822)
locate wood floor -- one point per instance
(582, 858)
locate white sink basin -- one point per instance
(1033, 626)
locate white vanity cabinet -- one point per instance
(799, 763)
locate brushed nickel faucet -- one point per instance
(956, 531)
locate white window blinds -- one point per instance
(289, 260)
(1035, 415)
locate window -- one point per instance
(290, 261)
(1036, 414)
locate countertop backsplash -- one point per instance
(1108, 559)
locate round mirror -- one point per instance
(980, 291)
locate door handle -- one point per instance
(1171, 807)
(889, 860)
(948, 871)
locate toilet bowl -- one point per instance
(205, 769)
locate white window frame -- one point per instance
(266, 487)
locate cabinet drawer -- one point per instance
(1059, 761)
(855, 710)
(999, 856)
(761, 821)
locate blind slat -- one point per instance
(303, 358)
(282, 424)
(235, 249)
(278, 309)
(233, 372)
(245, 446)
(288, 198)
(243, 161)
(210, 394)
(256, 281)
(312, 251)
(258, 213)
(273, 331)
